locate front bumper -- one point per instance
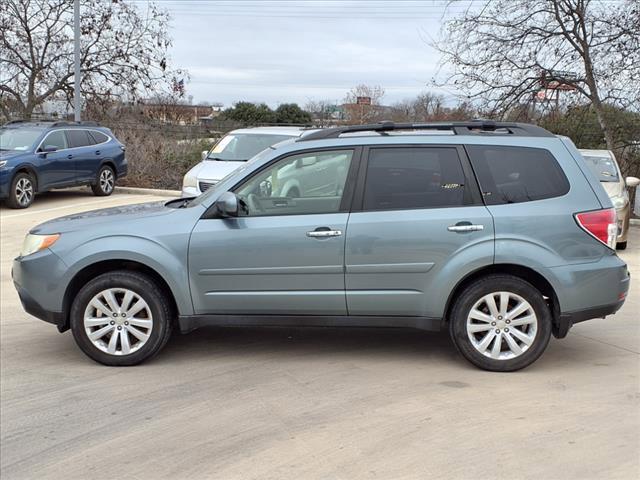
(38, 280)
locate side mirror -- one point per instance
(204, 154)
(632, 181)
(227, 205)
(48, 149)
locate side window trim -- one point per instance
(469, 177)
(64, 130)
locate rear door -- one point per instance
(420, 216)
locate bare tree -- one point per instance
(363, 113)
(123, 52)
(502, 52)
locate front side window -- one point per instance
(516, 174)
(300, 184)
(55, 139)
(414, 177)
(242, 146)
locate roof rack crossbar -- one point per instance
(458, 128)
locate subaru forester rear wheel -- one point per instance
(121, 318)
(501, 323)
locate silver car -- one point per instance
(604, 165)
(231, 152)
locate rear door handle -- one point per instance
(97, 152)
(324, 232)
(465, 228)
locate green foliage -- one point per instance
(292, 113)
(248, 113)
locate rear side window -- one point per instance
(79, 138)
(55, 139)
(516, 174)
(98, 137)
(414, 177)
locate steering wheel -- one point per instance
(254, 203)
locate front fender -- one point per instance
(169, 263)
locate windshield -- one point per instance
(603, 167)
(240, 147)
(18, 138)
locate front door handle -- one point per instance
(69, 157)
(324, 232)
(465, 228)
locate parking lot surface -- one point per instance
(311, 403)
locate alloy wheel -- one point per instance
(106, 181)
(118, 321)
(24, 191)
(502, 325)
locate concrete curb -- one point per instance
(149, 191)
(635, 221)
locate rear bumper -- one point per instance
(568, 319)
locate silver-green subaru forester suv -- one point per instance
(497, 232)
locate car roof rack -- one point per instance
(53, 123)
(472, 127)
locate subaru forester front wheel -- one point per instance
(121, 318)
(500, 323)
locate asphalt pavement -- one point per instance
(249, 403)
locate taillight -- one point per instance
(601, 224)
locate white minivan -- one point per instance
(231, 152)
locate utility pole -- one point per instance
(77, 102)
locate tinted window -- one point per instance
(517, 174)
(424, 177)
(300, 184)
(79, 138)
(55, 139)
(98, 137)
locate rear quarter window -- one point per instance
(516, 174)
(98, 137)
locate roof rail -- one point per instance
(458, 128)
(12, 122)
(65, 123)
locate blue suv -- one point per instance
(498, 233)
(38, 156)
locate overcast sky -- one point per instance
(296, 50)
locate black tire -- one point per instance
(474, 293)
(147, 289)
(105, 182)
(621, 245)
(22, 191)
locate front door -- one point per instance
(55, 168)
(418, 213)
(285, 254)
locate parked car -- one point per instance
(496, 232)
(39, 156)
(605, 167)
(231, 152)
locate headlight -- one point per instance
(619, 201)
(35, 243)
(189, 181)
(2, 163)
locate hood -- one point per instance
(9, 154)
(113, 216)
(613, 189)
(216, 170)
